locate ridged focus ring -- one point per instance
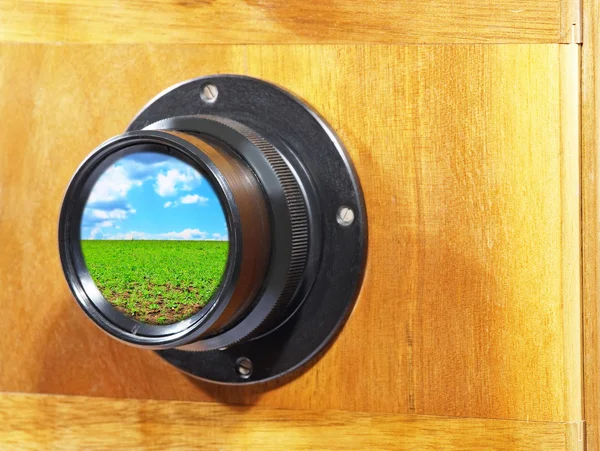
(288, 217)
(297, 212)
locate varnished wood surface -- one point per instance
(467, 308)
(570, 83)
(590, 153)
(291, 21)
(74, 423)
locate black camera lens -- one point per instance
(184, 292)
(232, 225)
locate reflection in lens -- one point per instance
(154, 238)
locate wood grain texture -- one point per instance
(590, 154)
(279, 22)
(72, 423)
(570, 83)
(571, 23)
(465, 310)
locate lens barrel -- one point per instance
(267, 219)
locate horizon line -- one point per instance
(137, 239)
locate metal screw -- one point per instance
(244, 367)
(209, 93)
(345, 216)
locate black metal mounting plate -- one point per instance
(298, 130)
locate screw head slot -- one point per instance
(244, 367)
(345, 216)
(209, 93)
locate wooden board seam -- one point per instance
(242, 408)
(590, 158)
(42, 422)
(291, 22)
(579, 424)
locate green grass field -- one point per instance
(156, 282)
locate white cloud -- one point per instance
(108, 200)
(187, 234)
(188, 199)
(194, 199)
(117, 213)
(169, 183)
(113, 184)
(98, 219)
(96, 230)
(219, 237)
(142, 171)
(130, 236)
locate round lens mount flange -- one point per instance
(244, 115)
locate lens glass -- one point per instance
(154, 238)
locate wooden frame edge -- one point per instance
(590, 215)
(570, 123)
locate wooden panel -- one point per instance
(58, 422)
(590, 153)
(278, 22)
(466, 309)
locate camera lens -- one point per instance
(227, 219)
(191, 239)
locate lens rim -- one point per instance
(87, 294)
